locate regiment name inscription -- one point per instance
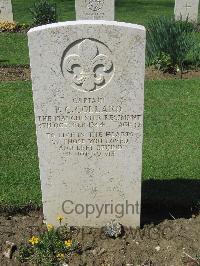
(97, 142)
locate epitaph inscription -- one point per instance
(98, 141)
(88, 95)
(95, 9)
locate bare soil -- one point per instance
(170, 243)
(15, 73)
(154, 74)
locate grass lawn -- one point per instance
(171, 138)
(14, 48)
(135, 11)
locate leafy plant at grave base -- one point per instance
(163, 62)
(198, 256)
(23, 26)
(195, 55)
(43, 13)
(53, 247)
(174, 39)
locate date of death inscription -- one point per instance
(88, 127)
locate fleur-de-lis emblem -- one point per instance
(89, 60)
(95, 5)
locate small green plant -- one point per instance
(176, 39)
(164, 63)
(23, 26)
(43, 13)
(197, 258)
(52, 247)
(195, 55)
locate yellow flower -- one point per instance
(5, 25)
(34, 240)
(60, 256)
(49, 227)
(60, 218)
(68, 243)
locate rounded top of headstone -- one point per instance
(87, 22)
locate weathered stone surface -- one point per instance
(186, 9)
(88, 90)
(113, 229)
(9, 249)
(6, 10)
(95, 9)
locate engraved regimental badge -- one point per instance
(94, 5)
(88, 65)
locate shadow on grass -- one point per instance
(165, 199)
(161, 200)
(4, 61)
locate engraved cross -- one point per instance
(187, 6)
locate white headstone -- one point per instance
(95, 9)
(88, 91)
(186, 9)
(6, 11)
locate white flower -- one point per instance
(157, 248)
